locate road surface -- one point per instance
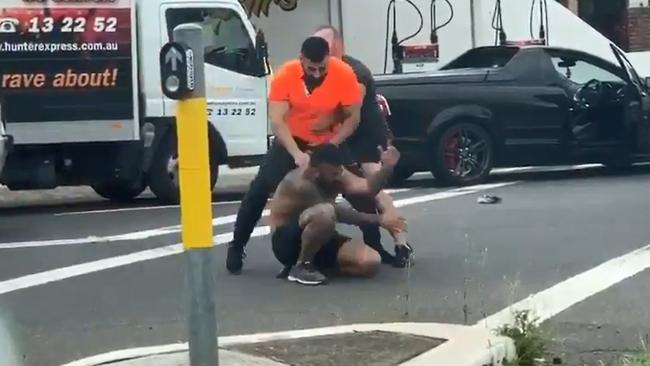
(90, 277)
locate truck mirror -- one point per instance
(647, 82)
(261, 54)
(177, 70)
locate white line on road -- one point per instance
(163, 207)
(138, 208)
(552, 301)
(59, 274)
(63, 273)
(135, 235)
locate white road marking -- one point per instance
(163, 207)
(223, 220)
(552, 301)
(59, 274)
(531, 169)
(63, 273)
(135, 235)
(138, 208)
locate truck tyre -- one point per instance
(163, 174)
(120, 192)
(463, 154)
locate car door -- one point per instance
(236, 94)
(637, 103)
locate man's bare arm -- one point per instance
(277, 113)
(392, 222)
(350, 216)
(353, 184)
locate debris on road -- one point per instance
(487, 199)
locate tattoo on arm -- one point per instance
(350, 216)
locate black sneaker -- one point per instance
(403, 255)
(235, 258)
(306, 274)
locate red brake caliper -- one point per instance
(451, 152)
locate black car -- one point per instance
(514, 106)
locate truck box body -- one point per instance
(81, 96)
(69, 73)
(364, 27)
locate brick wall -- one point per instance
(639, 29)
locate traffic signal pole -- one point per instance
(183, 79)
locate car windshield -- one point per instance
(324, 183)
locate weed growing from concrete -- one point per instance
(529, 340)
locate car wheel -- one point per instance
(463, 154)
(119, 192)
(164, 179)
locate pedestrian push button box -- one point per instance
(177, 70)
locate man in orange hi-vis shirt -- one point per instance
(304, 92)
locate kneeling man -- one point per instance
(304, 214)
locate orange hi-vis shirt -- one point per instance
(340, 88)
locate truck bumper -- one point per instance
(5, 145)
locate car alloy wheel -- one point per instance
(464, 154)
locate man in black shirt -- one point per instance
(371, 132)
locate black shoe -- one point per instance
(403, 255)
(235, 258)
(306, 274)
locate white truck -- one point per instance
(81, 100)
(367, 37)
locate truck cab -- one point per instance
(82, 101)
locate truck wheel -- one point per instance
(120, 192)
(163, 175)
(462, 155)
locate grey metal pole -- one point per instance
(200, 261)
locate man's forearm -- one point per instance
(378, 180)
(350, 216)
(348, 127)
(283, 134)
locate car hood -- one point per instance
(434, 77)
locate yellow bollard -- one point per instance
(182, 78)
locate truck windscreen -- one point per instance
(66, 62)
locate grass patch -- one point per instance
(643, 360)
(529, 340)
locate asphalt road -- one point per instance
(471, 261)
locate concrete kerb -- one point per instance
(464, 346)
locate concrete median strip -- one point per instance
(449, 345)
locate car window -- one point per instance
(226, 40)
(581, 71)
(488, 57)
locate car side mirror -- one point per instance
(261, 55)
(647, 82)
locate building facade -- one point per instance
(625, 22)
